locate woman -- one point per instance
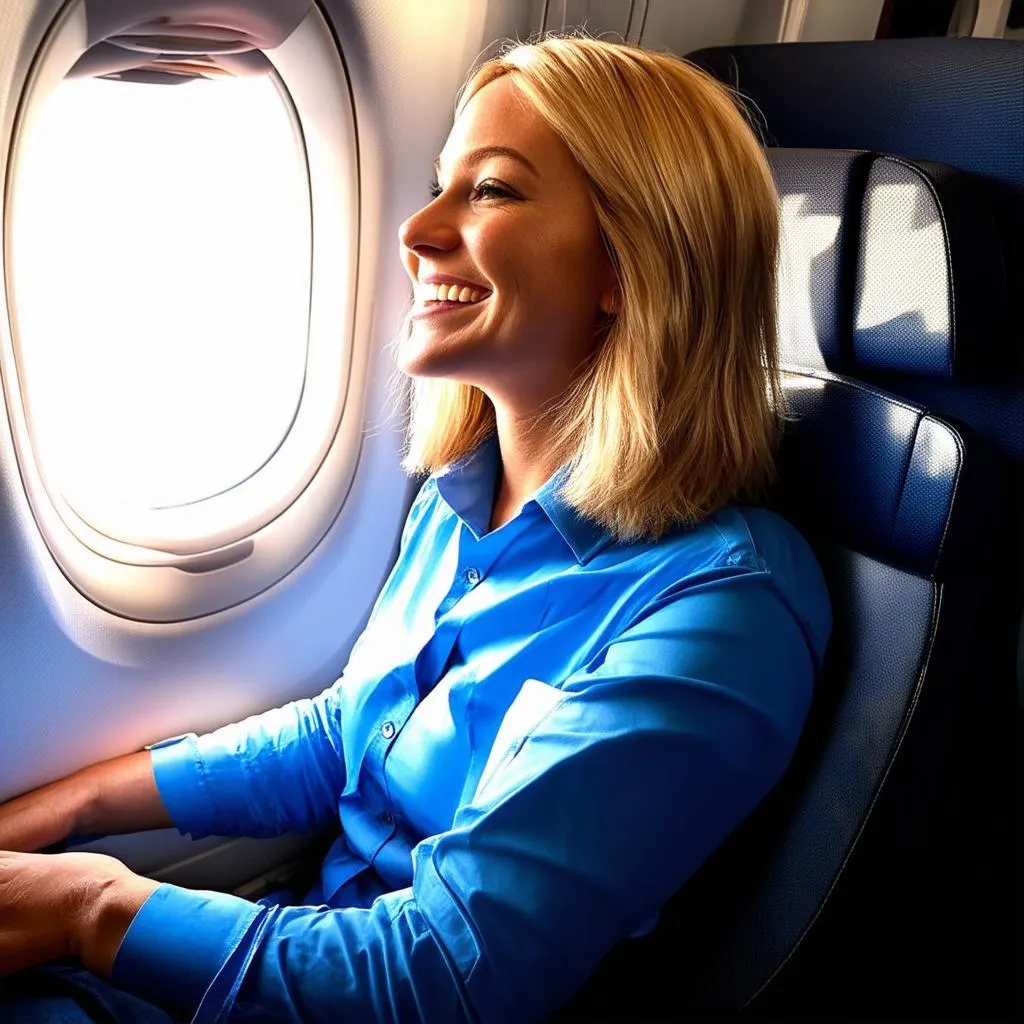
(589, 663)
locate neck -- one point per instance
(527, 461)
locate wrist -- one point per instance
(81, 799)
(106, 914)
(40, 819)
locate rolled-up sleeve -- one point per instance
(279, 771)
(591, 816)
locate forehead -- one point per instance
(498, 115)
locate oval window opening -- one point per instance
(161, 273)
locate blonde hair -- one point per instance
(677, 412)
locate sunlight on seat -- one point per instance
(804, 237)
(896, 210)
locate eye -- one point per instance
(491, 190)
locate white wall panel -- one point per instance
(684, 27)
(601, 18)
(828, 20)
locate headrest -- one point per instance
(886, 265)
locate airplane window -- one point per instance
(161, 266)
(181, 366)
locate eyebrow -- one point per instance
(476, 156)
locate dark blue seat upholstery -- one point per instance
(951, 101)
(956, 102)
(853, 888)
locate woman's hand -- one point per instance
(68, 904)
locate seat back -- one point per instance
(851, 888)
(957, 102)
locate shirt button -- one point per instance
(388, 818)
(387, 730)
(472, 576)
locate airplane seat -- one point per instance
(958, 102)
(953, 101)
(863, 885)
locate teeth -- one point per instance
(448, 293)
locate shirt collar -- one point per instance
(468, 486)
(584, 536)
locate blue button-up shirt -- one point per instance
(540, 735)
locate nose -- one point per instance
(429, 229)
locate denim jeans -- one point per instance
(65, 993)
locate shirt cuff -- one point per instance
(181, 782)
(178, 945)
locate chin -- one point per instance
(424, 357)
(418, 363)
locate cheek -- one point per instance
(570, 276)
(496, 248)
(572, 247)
(540, 266)
(546, 267)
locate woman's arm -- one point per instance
(597, 809)
(119, 795)
(274, 772)
(279, 771)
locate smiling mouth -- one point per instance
(447, 296)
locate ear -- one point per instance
(611, 295)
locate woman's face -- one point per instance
(508, 266)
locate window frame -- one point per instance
(183, 562)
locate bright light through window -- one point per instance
(161, 260)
